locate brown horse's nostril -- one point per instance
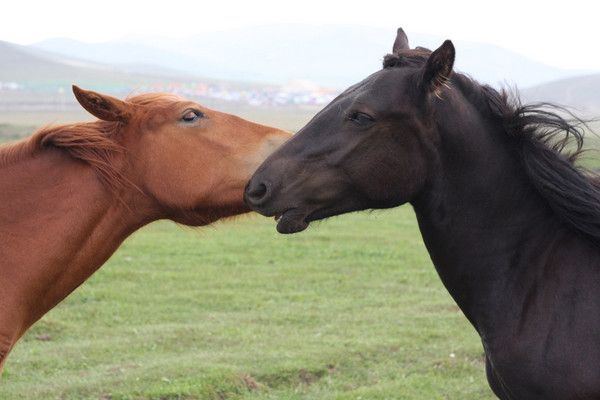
(257, 193)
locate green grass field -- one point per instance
(350, 309)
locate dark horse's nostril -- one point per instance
(260, 190)
(258, 193)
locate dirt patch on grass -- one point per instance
(46, 330)
(296, 377)
(251, 383)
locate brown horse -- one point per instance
(71, 194)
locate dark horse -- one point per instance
(511, 224)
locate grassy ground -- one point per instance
(350, 309)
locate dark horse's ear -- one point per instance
(401, 42)
(104, 107)
(438, 68)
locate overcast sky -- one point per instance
(563, 34)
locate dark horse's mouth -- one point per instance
(292, 221)
(296, 220)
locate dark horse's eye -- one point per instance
(360, 117)
(191, 116)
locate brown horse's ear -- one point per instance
(401, 42)
(438, 68)
(104, 107)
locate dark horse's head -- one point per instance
(367, 149)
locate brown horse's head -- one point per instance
(369, 148)
(191, 162)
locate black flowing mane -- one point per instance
(549, 139)
(548, 144)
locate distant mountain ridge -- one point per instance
(37, 80)
(330, 55)
(46, 71)
(581, 93)
(41, 68)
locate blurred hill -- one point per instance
(37, 68)
(304, 68)
(330, 55)
(35, 90)
(32, 78)
(581, 93)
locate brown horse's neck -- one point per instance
(58, 225)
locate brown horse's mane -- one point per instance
(95, 143)
(92, 142)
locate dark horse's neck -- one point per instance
(481, 219)
(513, 230)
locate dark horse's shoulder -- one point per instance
(516, 372)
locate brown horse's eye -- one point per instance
(191, 116)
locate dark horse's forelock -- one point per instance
(412, 58)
